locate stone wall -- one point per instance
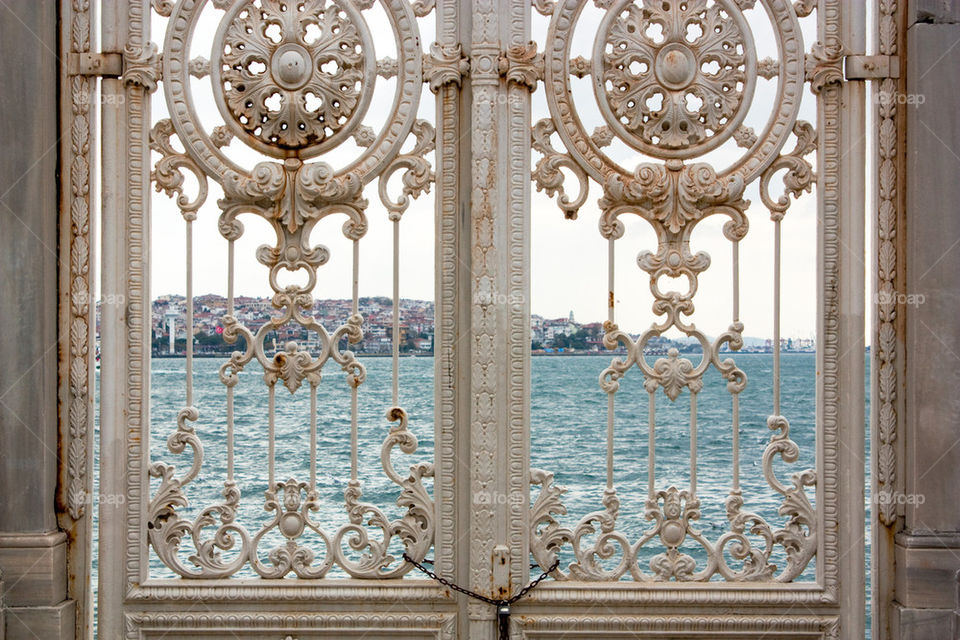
(927, 553)
(32, 550)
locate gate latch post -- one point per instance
(501, 571)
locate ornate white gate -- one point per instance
(271, 108)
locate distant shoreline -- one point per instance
(535, 354)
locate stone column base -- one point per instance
(926, 587)
(34, 591)
(29, 623)
(922, 624)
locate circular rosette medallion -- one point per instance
(674, 79)
(289, 75)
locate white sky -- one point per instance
(568, 267)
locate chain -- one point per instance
(502, 605)
(532, 585)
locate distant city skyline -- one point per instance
(417, 317)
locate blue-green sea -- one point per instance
(567, 437)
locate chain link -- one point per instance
(502, 604)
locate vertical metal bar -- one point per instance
(79, 227)
(125, 118)
(735, 400)
(611, 279)
(271, 433)
(776, 317)
(736, 280)
(842, 110)
(230, 267)
(610, 440)
(230, 310)
(354, 424)
(651, 443)
(313, 436)
(887, 184)
(356, 277)
(125, 432)
(611, 317)
(693, 443)
(396, 312)
(736, 442)
(189, 323)
(229, 433)
(453, 277)
(354, 435)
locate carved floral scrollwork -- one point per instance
(611, 555)
(417, 174)
(291, 503)
(887, 332)
(422, 8)
(673, 195)
(547, 175)
(799, 176)
(446, 64)
(166, 528)
(804, 7)
(522, 65)
(669, 91)
(824, 66)
(162, 7)
(141, 66)
(297, 87)
(674, 198)
(167, 174)
(544, 7)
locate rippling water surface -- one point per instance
(568, 427)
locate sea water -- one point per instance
(567, 438)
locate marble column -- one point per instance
(927, 552)
(32, 550)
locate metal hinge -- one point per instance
(104, 65)
(871, 67)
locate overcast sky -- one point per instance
(568, 267)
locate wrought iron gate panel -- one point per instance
(674, 193)
(292, 81)
(649, 67)
(293, 196)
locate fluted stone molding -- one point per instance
(32, 550)
(887, 355)
(77, 318)
(452, 398)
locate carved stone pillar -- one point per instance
(928, 548)
(32, 550)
